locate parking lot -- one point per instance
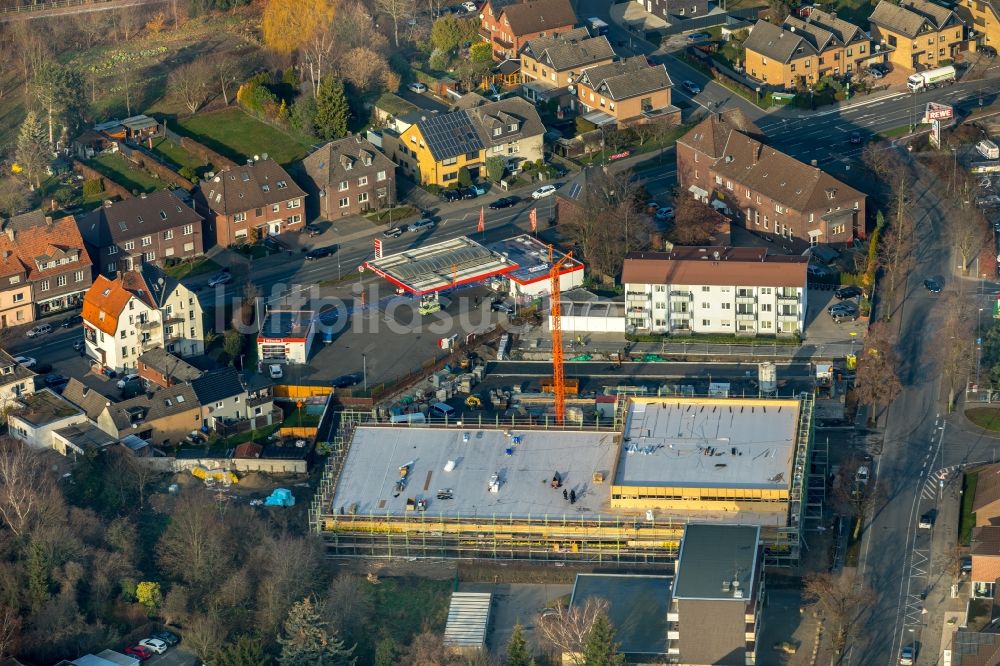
(177, 656)
(821, 327)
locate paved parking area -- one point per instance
(820, 326)
(177, 656)
(517, 603)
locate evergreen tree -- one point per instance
(306, 641)
(332, 110)
(517, 648)
(244, 651)
(39, 575)
(600, 648)
(33, 151)
(60, 91)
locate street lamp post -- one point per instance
(979, 345)
(364, 370)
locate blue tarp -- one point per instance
(280, 497)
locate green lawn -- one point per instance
(120, 170)
(191, 268)
(394, 214)
(403, 607)
(984, 417)
(968, 518)
(174, 155)
(238, 136)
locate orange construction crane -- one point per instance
(558, 373)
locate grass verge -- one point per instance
(123, 172)
(968, 518)
(238, 136)
(190, 268)
(987, 418)
(893, 132)
(392, 214)
(174, 155)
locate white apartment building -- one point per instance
(718, 290)
(137, 311)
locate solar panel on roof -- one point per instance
(450, 135)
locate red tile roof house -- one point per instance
(771, 194)
(509, 26)
(257, 195)
(49, 255)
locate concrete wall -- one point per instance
(268, 465)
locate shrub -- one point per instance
(188, 174)
(464, 177)
(583, 125)
(93, 187)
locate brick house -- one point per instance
(770, 193)
(626, 92)
(55, 263)
(918, 33)
(160, 367)
(151, 228)
(257, 195)
(508, 26)
(983, 16)
(349, 177)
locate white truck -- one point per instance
(988, 149)
(932, 78)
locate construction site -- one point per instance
(621, 493)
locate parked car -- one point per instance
(987, 51)
(220, 278)
(275, 370)
(543, 191)
(850, 291)
(469, 6)
(698, 36)
(26, 361)
(861, 476)
(926, 521)
(345, 381)
(394, 232)
(72, 320)
(140, 652)
(155, 645)
(480, 190)
(966, 565)
(313, 229)
(855, 139)
(876, 73)
(934, 284)
(665, 213)
(692, 87)
(907, 655)
(417, 87)
(320, 252)
(41, 329)
(167, 637)
(54, 380)
(449, 196)
(79, 345)
(504, 202)
(124, 381)
(424, 223)
(500, 306)
(842, 311)
(989, 201)
(467, 193)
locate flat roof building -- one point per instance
(637, 606)
(623, 493)
(718, 593)
(531, 275)
(286, 336)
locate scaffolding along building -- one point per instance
(620, 494)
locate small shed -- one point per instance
(468, 621)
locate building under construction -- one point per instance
(622, 494)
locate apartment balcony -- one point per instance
(149, 324)
(746, 300)
(639, 310)
(174, 319)
(150, 343)
(788, 317)
(746, 316)
(673, 617)
(681, 294)
(673, 635)
(788, 299)
(679, 314)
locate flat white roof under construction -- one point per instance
(468, 620)
(371, 471)
(709, 443)
(440, 266)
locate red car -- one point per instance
(139, 651)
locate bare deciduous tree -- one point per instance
(955, 343)
(857, 493)
(364, 68)
(840, 599)
(969, 231)
(27, 496)
(290, 565)
(189, 84)
(349, 605)
(13, 196)
(204, 635)
(877, 380)
(196, 543)
(694, 222)
(428, 649)
(10, 631)
(895, 250)
(228, 69)
(129, 20)
(566, 628)
(397, 10)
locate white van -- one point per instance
(415, 417)
(441, 409)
